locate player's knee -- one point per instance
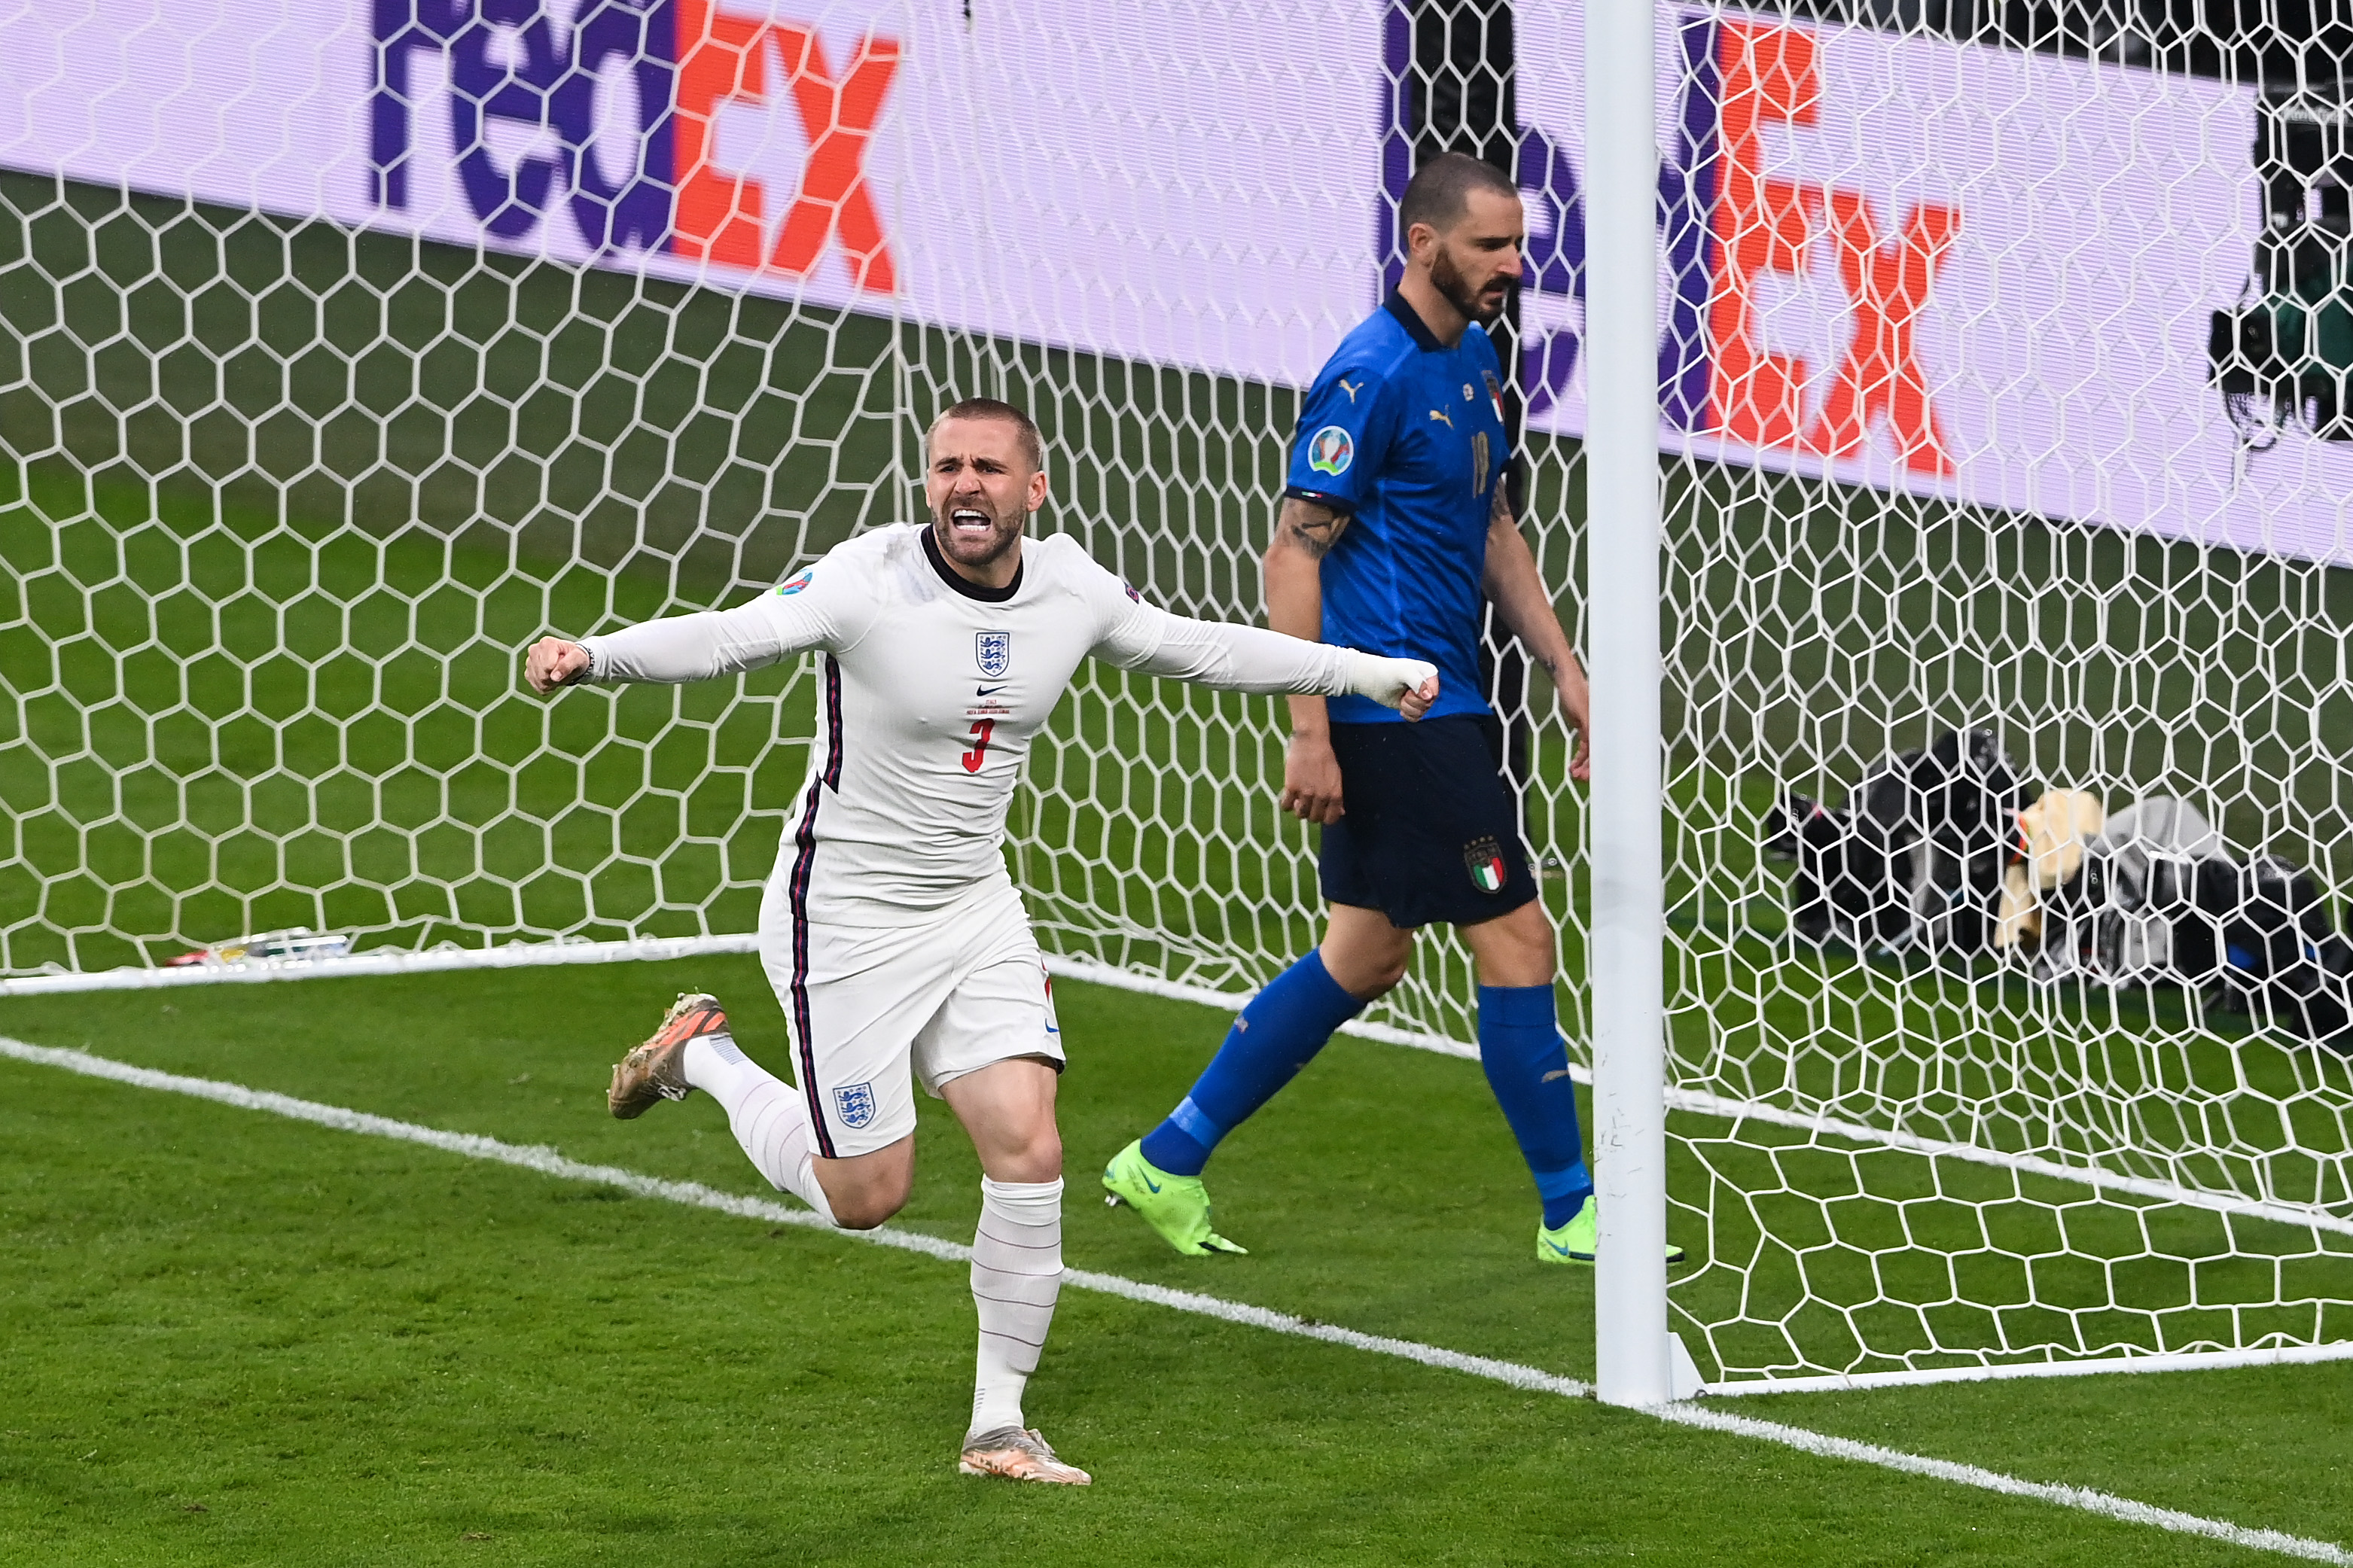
(862, 1199)
(864, 1211)
(1366, 964)
(1377, 978)
(1035, 1158)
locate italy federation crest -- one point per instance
(995, 652)
(854, 1104)
(1483, 858)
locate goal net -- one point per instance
(2005, 589)
(345, 348)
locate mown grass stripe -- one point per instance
(547, 1161)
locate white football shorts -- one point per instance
(945, 993)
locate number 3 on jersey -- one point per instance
(981, 730)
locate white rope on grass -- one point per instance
(547, 1161)
(378, 962)
(2116, 1362)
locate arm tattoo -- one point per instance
(1313, 529)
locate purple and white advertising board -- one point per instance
(1167, 183)
(1902, 262)
(1944, 269)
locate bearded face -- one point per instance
(1475, 264)
(974, 529)
(1482, 301)
(981, 489)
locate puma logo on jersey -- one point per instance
(1351, 388)
(1439, 414)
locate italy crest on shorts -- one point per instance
(995, 652)
(1483, 858)
(854, 1104)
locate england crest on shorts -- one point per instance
(995, 652)
(854, 1104)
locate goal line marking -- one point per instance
(547, 1161)
(1815, 1124)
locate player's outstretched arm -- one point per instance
(679, 649)
(1517, 591)
(1138, 636)
(1251, 659)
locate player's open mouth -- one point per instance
(964, 520)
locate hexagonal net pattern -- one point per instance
(299, 460)
(2003, 688)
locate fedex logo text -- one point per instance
(1761, 226)
(722, 216)
(1737, 240)
(618, 112)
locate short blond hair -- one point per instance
(1033, 444)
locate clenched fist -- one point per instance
(1408, 685)
(552, 662)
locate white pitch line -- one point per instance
(547, 1161)
(2103, 1503)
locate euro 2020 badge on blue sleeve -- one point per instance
(1331, 450)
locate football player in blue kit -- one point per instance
(1394, 534)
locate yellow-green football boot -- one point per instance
(1175, 1206)
(1573, 1242)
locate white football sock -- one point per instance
(1016, 1273)
(768, 1116)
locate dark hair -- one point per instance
(1033, 445)
(1440, 190)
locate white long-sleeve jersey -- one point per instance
(932, 687)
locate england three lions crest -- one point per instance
(995, 652)
(854, 1105)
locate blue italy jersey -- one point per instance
(1407, 437)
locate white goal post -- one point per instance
(1958, 402)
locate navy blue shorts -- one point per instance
(1432, 834)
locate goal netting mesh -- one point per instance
(345, 348)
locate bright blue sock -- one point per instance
(1519, 1045)
(1279, 1033)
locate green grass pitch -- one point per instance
(239, 1340)
(275, 685)
(395, 786)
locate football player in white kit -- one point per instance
(890, 930)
